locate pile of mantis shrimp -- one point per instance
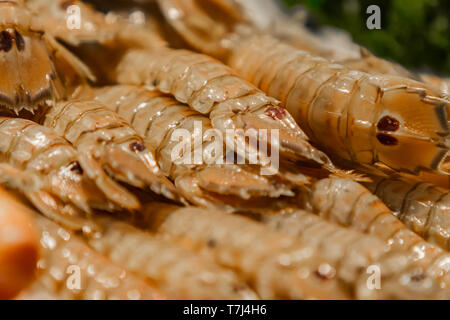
(91, 95)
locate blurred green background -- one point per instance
(415, 33)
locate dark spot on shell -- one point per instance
(388, 124)
(418, 277)
(155, 82)
(20, 42)
(422, 94)
(137, 146)
(76, 167)
(276, 113)
(212, 243)
(65, 4)
(5, 41)
(387, 140)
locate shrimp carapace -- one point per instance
(34, 64)
(102, 135)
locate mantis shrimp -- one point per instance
(19, 246)
(103, 136)
(352, 253)
(177, 271)
(39, 74)
(65, 256)
(156, 117)
(208, 87)
(349, 204)
(61, 182)
(423, 208)
(373, 118)
(276, 265)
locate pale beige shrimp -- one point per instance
(349, 204)
(353, 253)
(276, 265)
(58, 15)
(212, 181)
(103, 136)
(36, 69)
(70, 270)
(363, 118)
(213, 89)
(19, 246)
(205, 85)
(49, 172)
(78, 25)
(177, 271)
(373, 118)
(423, 208)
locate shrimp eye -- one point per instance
(5, 41)
(388, 124)
(76, 167)
(212, 243)
(387, 140)
(137, 146)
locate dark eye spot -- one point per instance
(388, 124)
(76, 167)
(276, 113)
(20, 42)
(5, 41)
(422, 94)
(418, 277)
(212, 243)
(65, 4)
(387, 140)
(137, 146)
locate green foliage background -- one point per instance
(415, 33)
